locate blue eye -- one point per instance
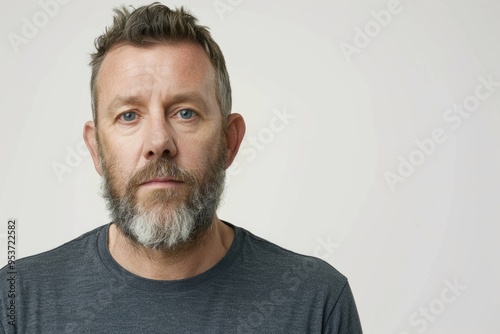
(186, 113)
(129, 116)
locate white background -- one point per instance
(318, 185)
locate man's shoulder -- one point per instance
(263, 254)
(65, 255)
(297, 283)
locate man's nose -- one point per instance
(160, 139)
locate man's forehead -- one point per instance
(175, 57)
(182, 65)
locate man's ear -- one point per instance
(234, 135)
(90, 137)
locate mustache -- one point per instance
(160, 168)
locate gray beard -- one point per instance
(154, 226)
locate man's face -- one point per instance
(161, 142)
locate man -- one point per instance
(162, 137)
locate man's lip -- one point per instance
(161, 179)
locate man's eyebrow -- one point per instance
(190, 97)
(120, 101)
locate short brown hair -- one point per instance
(153, 24)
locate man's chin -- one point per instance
(161, 227)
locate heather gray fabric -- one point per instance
(257, 287)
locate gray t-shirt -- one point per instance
(257, 287)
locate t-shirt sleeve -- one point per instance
(344, 318)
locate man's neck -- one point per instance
(209, 249)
